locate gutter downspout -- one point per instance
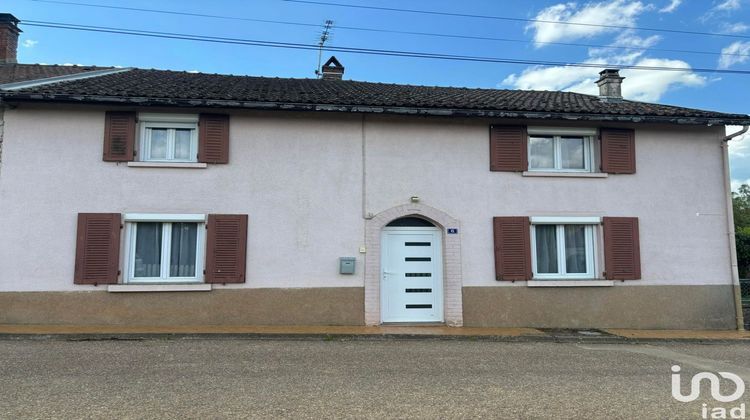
(730, 219)
(2, 131)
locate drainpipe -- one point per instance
(730, 219)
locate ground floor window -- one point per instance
(563, 248)
(167, 250)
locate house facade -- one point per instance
(146, 197)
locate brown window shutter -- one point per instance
(508, 148)
(97, 248)
(226, 247)
(618, 151)
(213, 138)
(512, 248)
(622, 254)
(119, 136)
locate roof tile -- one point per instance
(162, 87)
(10, 73)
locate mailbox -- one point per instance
(346, 265)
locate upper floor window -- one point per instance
(561, 149)
(169, 137)
(169, 140)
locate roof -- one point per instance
(10, 73)
(184, 89)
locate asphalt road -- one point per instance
(224, 378)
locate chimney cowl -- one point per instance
(610, 85)
(9, 31)
(332, 69)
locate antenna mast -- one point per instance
(324, 36)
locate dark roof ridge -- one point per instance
(348, 81)
(179, 88)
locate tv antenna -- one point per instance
(325, 35)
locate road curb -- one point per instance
(547, 338)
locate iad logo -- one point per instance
(715, 384)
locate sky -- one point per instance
(513, 26)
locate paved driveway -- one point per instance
(223, 378)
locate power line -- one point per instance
(368, 51)
(381, 30)
(174, 12)
(524, 41)
(513, 19)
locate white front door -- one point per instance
(412, 275)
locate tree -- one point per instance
(741, 206)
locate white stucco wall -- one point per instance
(299, 177)
(679, 175)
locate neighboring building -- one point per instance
(148, 197)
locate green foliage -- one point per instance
(741, 205)
(743, 253)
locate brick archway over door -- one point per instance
(452, 281)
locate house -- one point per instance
(150, 197)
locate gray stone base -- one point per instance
(644, 307)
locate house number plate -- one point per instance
(452, 231)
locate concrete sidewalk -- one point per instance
(313, 331)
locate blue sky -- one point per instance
(715, 91)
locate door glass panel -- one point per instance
(182, 256)
(182, 144)
(158, 143)
(575, 249)
(148, 250)
(571, 153)
(546, 249)
(541, 153)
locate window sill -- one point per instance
(184, 165)
(566, 174)
(121, 288)
(570, 283)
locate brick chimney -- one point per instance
(332, 69)
(8, 38)
(610, 84)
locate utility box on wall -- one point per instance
(346, 265)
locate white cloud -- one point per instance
(616, 12)
(739, 157)
(739, 147)
(733, 28)
(650, 86)
(721, 10)
(29, 43)
(627, 39)
(736, 53)
(671, 7)
(549, 78)
(728, 5)
(640, 85)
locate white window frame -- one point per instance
(131, 219)
(170, 122)
(591, 247)
(557, 133)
